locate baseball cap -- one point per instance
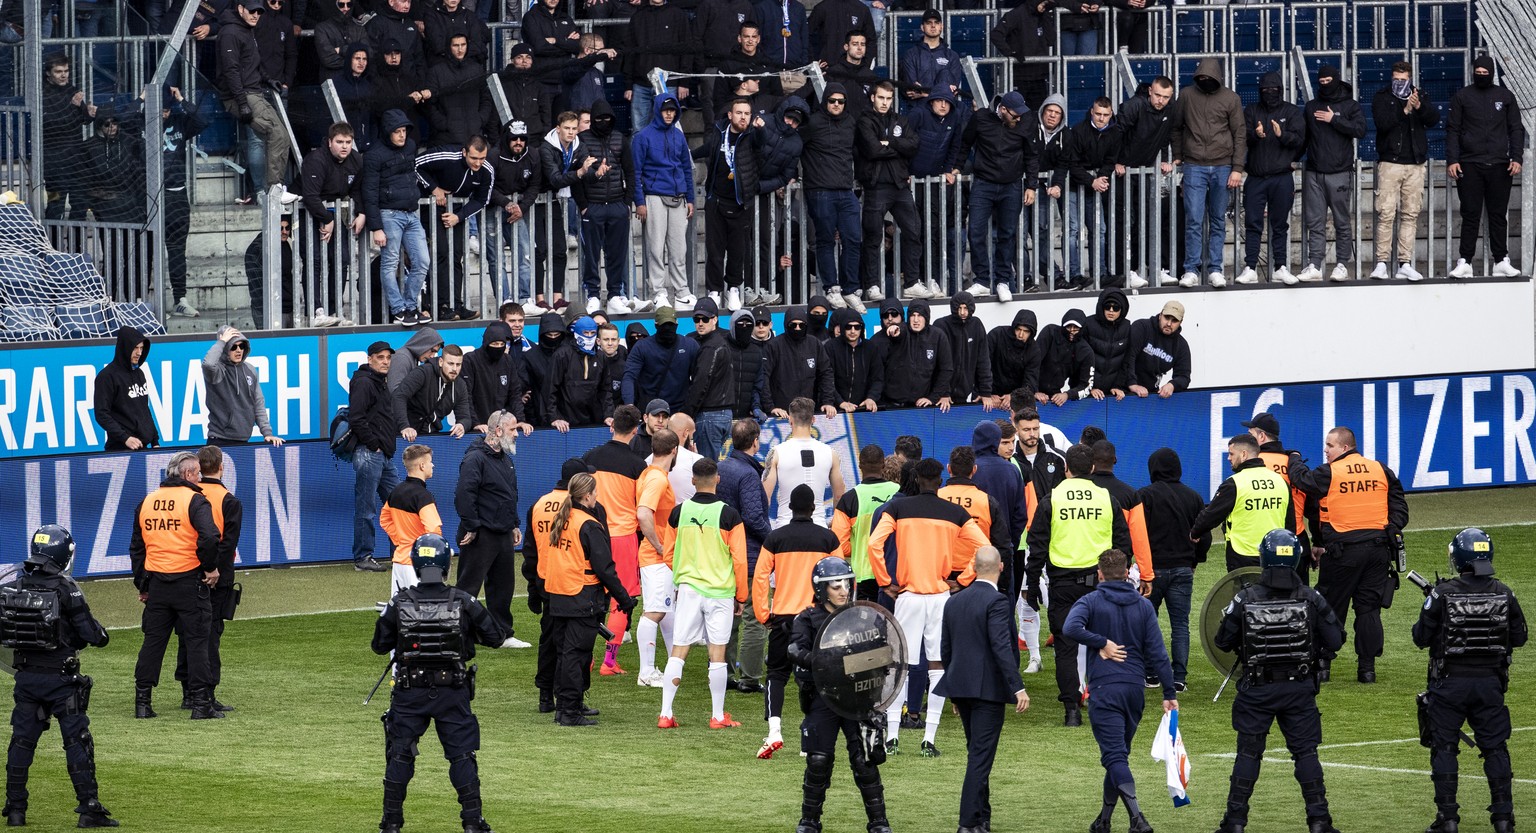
(1265, 422)
(707, 306)
(1014, 100)
(1174, 310)
(571, 467)
(932, 14)
(760, 314)
(390, 45)
(657, 406)
(254, 5)
(666, 315)
(380, 347)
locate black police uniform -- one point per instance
(818, 735)
(49, 684)
(433, 628)
(1470, 625)
(1280, 629)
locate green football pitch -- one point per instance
(301, 752)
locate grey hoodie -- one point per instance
(233, 394)
(417, 346)
(1209, 128)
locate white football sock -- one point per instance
(776, 727)
(646, 631)
(717, 678)
(669, 683)
(666, 632)
(935, 706)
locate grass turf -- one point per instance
(302, 753)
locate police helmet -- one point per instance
(827, 571)
(1472, 552)
(1280, 548)
(431, 551)
(53, 548)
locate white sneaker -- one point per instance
(1310, 274)
(1380, 273)
(1216, 278)
(637, 305)
(978, 290)
(661, 300)
(571, 242)
(1283, 275)
(874, 295)
(287, 197)
(1463, 269)
(1004, 294)
(1248, 275)
(514, 642)
(686, 301)
(320, 319)
(1166, 278)
(185, 309)
(855, 303)
(715, 296)
(1406, 272)
(733, 299)
(835, 298)
(1134, 281)
(474, 246)
(617, 305)
(1339, 274)
(1033, 667)
(1505, 269)
(934, 290)
(916, 292)
(1189, 280)
(651, 678)
(532, 310)
(593, 305)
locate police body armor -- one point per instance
(1474, 631)
(1277, 640)
(430, 648)
(30, 618)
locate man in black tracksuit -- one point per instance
(453, 173)
(1170, 508)
(493, 378)
(122, 395)
(797, 366)
(603, 196)
(1066, 366)
(1146, 129)
(486, 500)
(1277, 135)
(918, 363)
(858, 376)
(1484, 143)
(1014, 354)
(1334, 123)
(967, 337)
(885, 147)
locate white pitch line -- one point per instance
(1398, 740)
(292, 615)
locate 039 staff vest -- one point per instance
(1357, 495)
(973, 501)
(165, 521)
(566, 568)
(701, 558)
(1082, 523)
(1259, 509)
(1281, 464)
(871, 496)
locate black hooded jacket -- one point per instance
(827, 158)
(797, 365)
(1015, 364)
(460, 106)
(1004, 154)
(857, 372)
(122, 395)
(1331, 145)
(1170, 508)
(1152, 354)
(1067, 361)
(424, 398)
(749, 364)
(578, 387)
(1110, 342)
(779, 159)
(494, 382)
(537, 361)
(371, 411)
(1271, 154)
(389, 172)
(1485, 126)
(713, 386)
(917, 365)
(886, 146)
(967, 350)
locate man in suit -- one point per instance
(981, 676)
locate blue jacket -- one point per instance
(656, 372)
(932, 69)
(779, 160)
(663, 166)
(1000, 479)
(775, 17)
(741, 487)
(980, 646)
(939, 148)
(1115, 611)
(389, 173)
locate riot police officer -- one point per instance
(1470, 624)
(1280, 629)
(432, 629)
(833, 582)
(45, 620)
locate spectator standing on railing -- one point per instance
(336, 33)
(1157, 350)
(1028, 30)
(1334, 123)
(1131, 29)
(930, 64)
(603, 195)
(827, 166)
(243, 87)
(1277, 135)
(786, 35)
(232, 391)
(277, 45)
(1484, 143)
(1079, 27)
(371, 414)
(1210, 140)
(518, 181)
(1006, 157)
(460, 175)
(1093, 144)
(390, 200)
(730, 153)
(663, 195)
(938, 122)
(447, 19)
(461, 104)
(65, 111)
(122, 395)
(832, 21)
(1403, 114)
(395, 20)
(658, 37)
(584, 81)
(884, 147)
(1146, 128)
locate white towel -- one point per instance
(1168, 747)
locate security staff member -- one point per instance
(1470, 624)
(228, 512)
(576, 578)
(45, 620)
(432, 629)
(535, 547)
(832, 589)
(1265, 428)
(1247, 505)
(175, 551)
(1361, 510)
(1280, 628)
(1076, 522)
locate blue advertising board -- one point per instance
(1448, 432)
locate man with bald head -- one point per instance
(682, 473)
(1362, 513)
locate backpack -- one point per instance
(343, 441)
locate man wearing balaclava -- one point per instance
(603, 195)
(1276, 137)
(797, 366)
(1067, 364)
(1403, 114)
(1484, 143)
(537, 361)
(1210, 140)
(919, 366)
(1334, 122)
(967, 337)
(578, 380)
(659, 367)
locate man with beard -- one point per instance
(1067, 364)
(431, 391)
(1015, 356)
(660, 367)
(919, 365)
(857, 376)
(1043, 469)
(1158, 349)
(967, 338)
(797, 366)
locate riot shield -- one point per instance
(1211, 613)
(859, 661)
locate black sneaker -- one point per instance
(1179, 686)
(421, 317)
(368, 565)
(466, 314)
(446, 314)
(404, 318)
(747, 685)
(1153, 682)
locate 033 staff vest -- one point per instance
(566, 568)
(1357, 495)
(1281, 464)
(165, 521)
(871, 497)
(1260, 508)
(701, 558)
(1082, 523)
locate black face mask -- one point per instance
(1207, 84)
(1270, 97)
(636, 339)
(666, 334)
(1483, 82)
(1326, 88)
(796, 334)
(602, 125)
(819, 320)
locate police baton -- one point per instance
(1226, 680)
(375, 689)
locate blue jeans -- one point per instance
(376, 478)
(714, 430)
(836, 213)
(1177, 586)
(1080, 43)
(403, 228)
(999, 204)
(1205, 201)
(256, 159)
(640, 105)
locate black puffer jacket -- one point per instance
(749, 363)
(968, 350)
(827, 158)
(1110, 342)
(1015, 364)
(782, 146)
(1068, 360)
(611, 146)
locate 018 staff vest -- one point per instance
(1258, 509)
(566, 568)
(973, 501)
(1281, 464)
(165, 521)
(701, 558)
(871, 496)
(1357, 495)
(1082, 523)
